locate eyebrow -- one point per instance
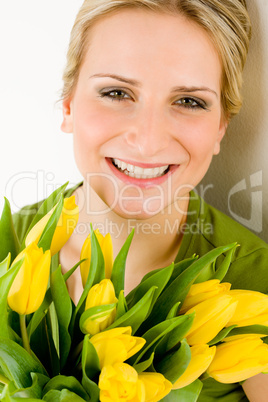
(194, 89)
(118, 78)
(138, 84)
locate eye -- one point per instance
(191, 103)
(115, 94)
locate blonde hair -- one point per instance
(226, 21)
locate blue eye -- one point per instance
(115, 94)
(191, 103)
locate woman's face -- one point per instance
(146, 111)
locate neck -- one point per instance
(156, 239)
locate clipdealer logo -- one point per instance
(256, 202)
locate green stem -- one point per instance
(4, 380)
(24, 334)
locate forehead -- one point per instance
(139, 42)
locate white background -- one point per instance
(36, 157)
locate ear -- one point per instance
(222, 130)
(67, 122)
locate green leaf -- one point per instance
(42, 343)
(190, 393)
(48, 232)
(173, 365)
(39, 314)
(96, 271)
(62, 396)
(94, 313)
(46, 206)
(8, 236)
(159, 279)
(172, 339)
(140, 367)
(90, 359)
(63, 306)
(90, 368)
(34, 391)
(223, 268)
(121, 305)
(118, 272)
(67, 274)
(5, 285)
(249, 329)
(173, 311)
(137, 314)
(70, 383)
(17, 364)
(181, 266)
(178, 289)
(221, 335)
(4, 265)
(154, 335)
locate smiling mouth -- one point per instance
(138, 172)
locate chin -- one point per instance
(138, 211)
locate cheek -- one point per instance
(94, 125)
(199, 137)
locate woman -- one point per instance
(149, 89)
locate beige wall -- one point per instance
(237, 182)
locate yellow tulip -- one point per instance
(106, 246)
(29, 287)
(252, 308)
(211, 316)
(120, 382)
(156, 386)
(238, 360)
(116, 345)
(100, 295)
(65, 227)
(200, 292)
(201, 357)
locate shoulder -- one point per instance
(208, 228)
(24, 217)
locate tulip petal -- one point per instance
(107, 249)
(39, 282)
(201, 357)
(85, 265)
(156, 386)
(239, 359)
(200, 292)
(206, 332)
(19, 292)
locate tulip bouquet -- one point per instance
(179, 326)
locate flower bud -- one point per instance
(201, 357)
(200, 292)
(99, 295)
(116, 345)
(65, 226)
(120, 382)
(238, 360)
(252, 308)
(156, 386)
(211, 316)
(29, 287)
(106, 246)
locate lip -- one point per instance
(145, 183)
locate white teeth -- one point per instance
(139, 172)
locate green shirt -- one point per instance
(206, 228)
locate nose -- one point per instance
(148, 131)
